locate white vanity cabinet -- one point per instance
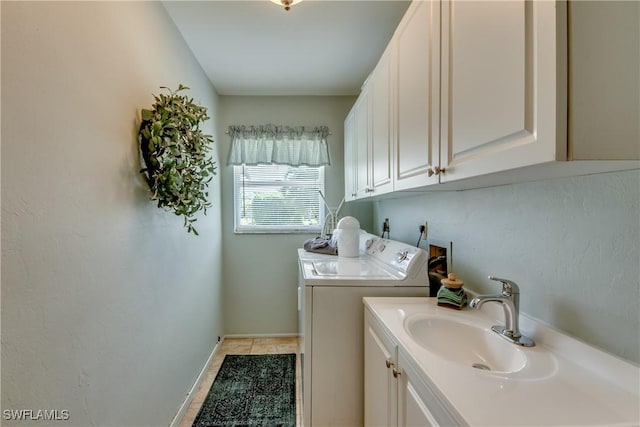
(394, 392)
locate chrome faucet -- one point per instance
(510, 301)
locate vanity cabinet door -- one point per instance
(418, 404)
(380, 398)
(412, 410)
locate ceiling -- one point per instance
(319, 47)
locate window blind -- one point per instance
(278, 198)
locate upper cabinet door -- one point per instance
(350, 157)
(418, 95)
(363, 133)
(382, 138)
(502, 87)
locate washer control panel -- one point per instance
(402, 257)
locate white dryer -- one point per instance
(331, 321)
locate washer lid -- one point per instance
(355, 269)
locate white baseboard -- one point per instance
(194, 388)
(291, 335)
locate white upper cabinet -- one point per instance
(369, 137)
(501, 93)
(418, 94)
(486, 93)
(357, 129)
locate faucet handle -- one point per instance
(509, 287)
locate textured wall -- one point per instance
(262, 299)
(109, 308)
(571, 244)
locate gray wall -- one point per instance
(571, 244)
(109, 308)
(261, 297)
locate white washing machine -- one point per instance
(331, 321)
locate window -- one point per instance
(278, 198)
(278, 178)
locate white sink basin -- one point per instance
(465, 344)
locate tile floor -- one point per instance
(245, 346)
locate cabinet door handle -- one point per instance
(389, 363)
(435, 171)
(396, 373)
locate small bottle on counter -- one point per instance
(451, 294)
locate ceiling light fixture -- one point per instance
(286, 3)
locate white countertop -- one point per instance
(565, 382)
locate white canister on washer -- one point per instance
(348, 237)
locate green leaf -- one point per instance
(147, 115)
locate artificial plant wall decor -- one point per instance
(175, 151)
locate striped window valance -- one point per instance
(280, 145)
